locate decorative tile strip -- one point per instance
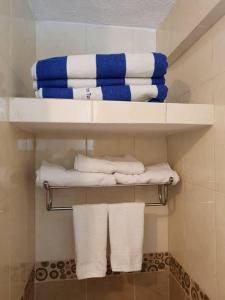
(29, 288)
(55, 270)
(190, 287)
(66, 269)
(152, 262)
(196, 292)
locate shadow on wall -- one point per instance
(177, 90)
(185, 156)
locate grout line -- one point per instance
(134, 287)
(86, 289)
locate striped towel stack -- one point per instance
(122, 77)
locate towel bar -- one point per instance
(162, 193)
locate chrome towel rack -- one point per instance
(49, 189)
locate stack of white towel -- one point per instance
(107, 171)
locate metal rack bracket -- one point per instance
(162, 194)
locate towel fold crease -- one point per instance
(108, 165)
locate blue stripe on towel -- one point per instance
(59, 83)
(162, 94)
(156, 81)
(111, 65)
(47, 67)
(62, 93)
(110, 81)
(116, 93)
(161, 65)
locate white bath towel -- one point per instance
(59, 176)
(126, 230)
(90, 232)
(108, 165)
(155, 174)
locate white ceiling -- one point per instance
(138, 13)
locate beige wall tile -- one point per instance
(5, 246)
(156, 229)
(176, 292)
(192, 233)
(59, 151)
(22, 43)
(200, 237)
(150, 150)
(192, 155)
(17, 205)
(152, 286)
(203, 94)
(181, 77)
(163, 36)
(220, 244)
(182, 20)
(218, 33)
(219, 98)
(17, 39)
(71, 289)
(110, 288)
(176, 227)
(5, 22)
(117, 146)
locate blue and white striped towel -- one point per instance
(152, 93)
(89, 83)
(144, 65)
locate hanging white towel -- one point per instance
(90, 232)
(126, 165)
(155, 174)
(126, 230)
(59, 176)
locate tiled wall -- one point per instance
(57, 38)
(17, 52)
(17, 49)
(54, 230)
(196, 212)
(142, 286)
(183, 18)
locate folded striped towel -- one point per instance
(144, 65)
(85, 83)
(153, 93)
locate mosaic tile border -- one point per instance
(29, 288)
(190, 287)
(66, 269)
(152, 262)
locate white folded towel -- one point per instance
(90, 232)
(59, 176)
(155, 174)
(126, 230)
(109, 165)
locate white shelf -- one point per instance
(66, 116)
